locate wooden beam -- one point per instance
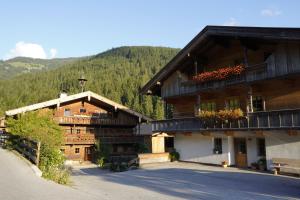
(187, 134)
(229, 133)
(259, 133)
(292, 132)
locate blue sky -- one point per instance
(65, 28)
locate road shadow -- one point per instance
(202, 183)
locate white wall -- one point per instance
(199, 148)
(252, 153)
(230, 152)
(281, 145)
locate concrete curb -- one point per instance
(33, 167)
(36, 170)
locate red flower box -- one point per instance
(219, 74)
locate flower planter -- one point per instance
(220, 74)
(224, 164)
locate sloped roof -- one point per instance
(264, 33)
(65, 99)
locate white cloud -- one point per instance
(31, 50)
(53, 53)
(231, 22)
(270, 12)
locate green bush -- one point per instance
(101, 154)
(101, 162)
(174, 156)
(141, 148)
(118, 167)
(39, 126)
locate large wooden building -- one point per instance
(233, 94)
(87, 117)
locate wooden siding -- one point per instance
(183, 107)
(94, 115)
(284, 59)
(278, 94)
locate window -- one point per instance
(261, 147)
(217, 146)
(233, 104)
(76, 150)
(208, 106)
(67, 112)
(169, 144)
(78, 131)
(257, 102)
(68, 131)
(82, 110)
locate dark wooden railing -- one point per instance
(280, 119)
(3, 139)
(30, 149)
(92, 120)
(80, 139)
(252, 73)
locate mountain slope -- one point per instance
(117, 74)
(21, 65)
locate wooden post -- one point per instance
(246, 56)
(264, 104)
(196, 67)
(250, 100)
(198, 105)
(38, 153)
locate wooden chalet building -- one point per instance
(233, 94)
(87, 117)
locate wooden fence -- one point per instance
(28, 148)
(3, 139)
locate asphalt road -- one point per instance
(156, 181)
(185, 181)
(18, 182)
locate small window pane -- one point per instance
(257, 102)
(217, 146)
(67, 112)
(233, 104)
(76, 150)
(208, 106)
(82, 110)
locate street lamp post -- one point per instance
(82, 81)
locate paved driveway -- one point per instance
(185, 181)
(158, 181)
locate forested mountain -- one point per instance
(21, 65)
(117, 74)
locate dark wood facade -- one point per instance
(87, 118)
(267, 91)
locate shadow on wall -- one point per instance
(202, 184)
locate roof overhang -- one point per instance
(88, 94)
(262, 33)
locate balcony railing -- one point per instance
(79, 139)
(93, 121)
(252, 73)
(282, 119)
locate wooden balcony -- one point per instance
(79, 139)
(268, 120)
(93, 121)
(252, 73)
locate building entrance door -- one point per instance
(87, 154)
(240, 148)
